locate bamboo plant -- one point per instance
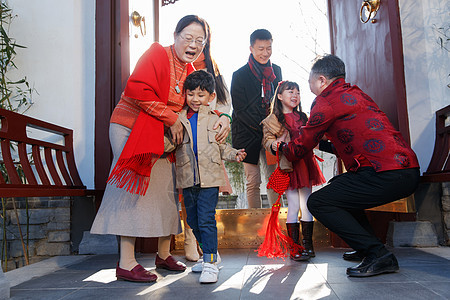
(16, 95)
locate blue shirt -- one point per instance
(193, 120)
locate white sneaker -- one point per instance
(210, 273)
(198, 267)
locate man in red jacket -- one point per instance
(381, 166)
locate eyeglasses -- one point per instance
(189, 39)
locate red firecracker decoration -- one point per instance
(276, 243)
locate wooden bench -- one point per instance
(36, 158)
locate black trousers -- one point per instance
(340, 205)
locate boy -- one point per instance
(198, 167)
(381, 166)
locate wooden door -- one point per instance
(373, 56)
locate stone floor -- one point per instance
(424, 274)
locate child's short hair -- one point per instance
(260, 34)
(329, 66)
(200, 79)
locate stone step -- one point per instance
(411, 234)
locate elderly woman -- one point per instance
(140, 199)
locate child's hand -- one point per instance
(240, 155)
(275, 145)
(282, 138)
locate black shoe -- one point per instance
(371, 266)
(353, 255)
(300, 255)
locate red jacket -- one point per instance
(360, 132)
(147, 89)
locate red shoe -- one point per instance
(169, 263)
(137, 274)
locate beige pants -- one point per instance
(253, 178)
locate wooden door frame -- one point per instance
(112, 68)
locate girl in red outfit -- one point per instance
(283, 124)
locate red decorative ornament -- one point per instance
(276, 243)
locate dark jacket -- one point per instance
(249, 111)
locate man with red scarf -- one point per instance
(252, 88)
(381, 166)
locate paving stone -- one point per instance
(423, 274)
(98, 244)
(411, 234)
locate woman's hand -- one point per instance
(240, 156)
(224, 123)
(177, 132)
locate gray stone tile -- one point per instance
(244, 275)
(237, 263)
(439, 251)
(92, 265)
(234, 258)
(59, 279)
(110, 293)
(203, 291)
(20, 275)
(338, 275)
(278, 275)
(433, 273)
(106, 278)
(440, 288)
(333, 258)
(387, 290)
(47, 294)
(256, 260)
(413, 256)
(288, 291)
(227, 277)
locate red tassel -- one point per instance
(133, 174)
(276, 243)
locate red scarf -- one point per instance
(265, 74)
(199, 63)
(145, 145)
